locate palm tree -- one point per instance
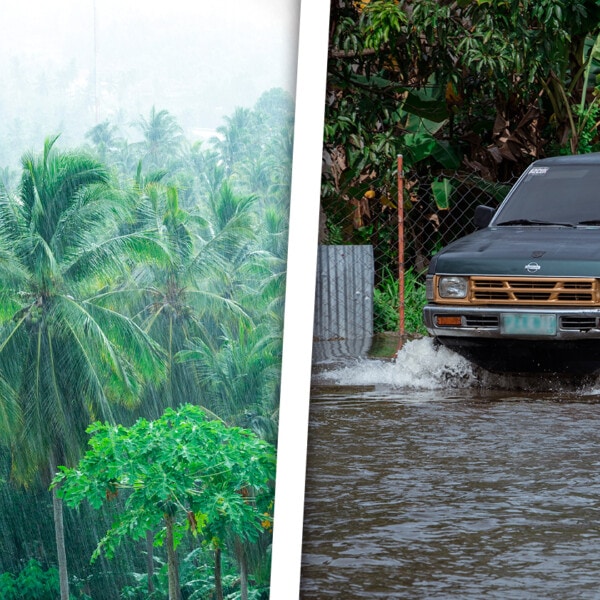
(67, 353)
(198, 174)
(163, 138)
(237, 362)
(233, 221)
(256, 174)
(281, 148)
(104, 139)
(235, 136)
(184, 298)
(240, 377)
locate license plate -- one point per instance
(527, 324)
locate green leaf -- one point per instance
(428, 108)
(419, 146)
(442, 191)
(447, 155)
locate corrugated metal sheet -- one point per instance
(344, 293)
(327, 351)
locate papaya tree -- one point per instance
(179, 473)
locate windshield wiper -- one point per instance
(590, 222)
(534, 222)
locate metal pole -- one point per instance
(400, 250)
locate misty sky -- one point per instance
(68, 64)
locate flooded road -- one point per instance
(427, 480)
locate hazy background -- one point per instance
(70, 64)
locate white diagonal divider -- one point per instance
(299, 299)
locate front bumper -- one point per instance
(491, 322)
(571, 348)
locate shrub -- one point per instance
(32, 583)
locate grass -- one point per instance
(386, 304)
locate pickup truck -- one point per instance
(521, 294)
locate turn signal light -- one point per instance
(448, 321)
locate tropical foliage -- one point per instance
(139, 278)
(31, 583)
(489, 83)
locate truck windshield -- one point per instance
(559, 194)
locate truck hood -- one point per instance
(525, 251)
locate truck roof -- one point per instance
(592, 158)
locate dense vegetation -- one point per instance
(469, 92)
(138, 279)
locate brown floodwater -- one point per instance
(427, 479)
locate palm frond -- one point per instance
(114, 256)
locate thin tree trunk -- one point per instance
(150, 560)
(59, 532)
(172, 565)
(243, 569)
(218, 579)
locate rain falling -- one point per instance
(142, 267)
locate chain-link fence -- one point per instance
(436, 210)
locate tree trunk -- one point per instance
(172, 565)
(218, 579)
(59, 532)
(150, 560)
(243, 569)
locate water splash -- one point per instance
(420, 364)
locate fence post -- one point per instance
(400, 250)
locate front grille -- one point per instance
(578, 323)
(534, 290)
(481, 320)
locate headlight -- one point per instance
(453, 287)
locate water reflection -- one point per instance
(427, 479)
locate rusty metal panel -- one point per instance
(344, 293)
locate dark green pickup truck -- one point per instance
(522, 293)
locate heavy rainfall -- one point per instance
(144, 196)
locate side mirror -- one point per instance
(483, 216)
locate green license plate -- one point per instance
(527, 324)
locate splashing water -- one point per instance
(420, 364)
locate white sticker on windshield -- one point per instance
(538, 171)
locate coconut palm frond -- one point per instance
(114, 256)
